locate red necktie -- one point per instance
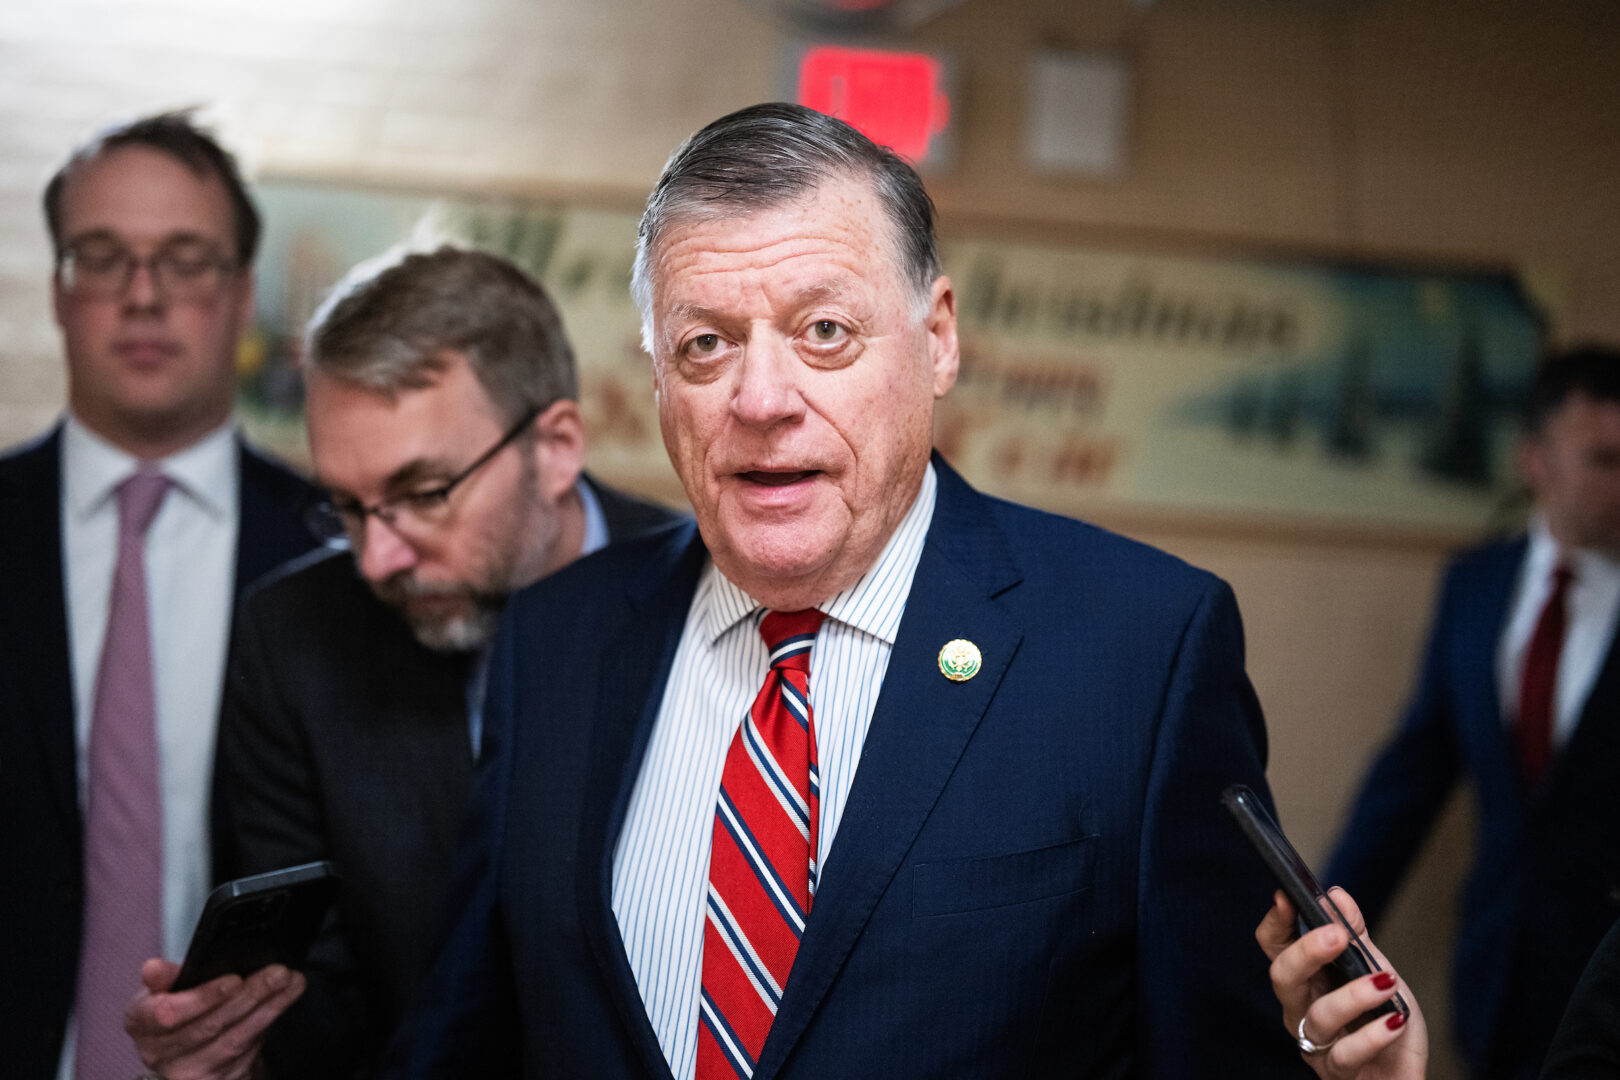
(762, 867)
(1538, 691)
(123, 829)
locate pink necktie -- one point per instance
(123, 832)
(1539, 690)
(762, 868)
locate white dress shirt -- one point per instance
(1591, 605)
(661, 863)
(190, 573)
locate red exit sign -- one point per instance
(896, 99)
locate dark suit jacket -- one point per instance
(1587, 1044)
(344, 738)
(1033, 876)
(40, 822)
(1540, 894)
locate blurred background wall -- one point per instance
(1475, 132)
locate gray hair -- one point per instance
(767, 156)
(388, 329)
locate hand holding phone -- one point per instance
(1311, 902)
(256, 921)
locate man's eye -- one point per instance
(825, 330)
(186, 266)
(703, 345)
(431, 499)
(100, 260)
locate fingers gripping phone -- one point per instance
(1312, 903)
(254, 921)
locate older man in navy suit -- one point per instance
(1519, 693)
(109, 706)
(867, 774)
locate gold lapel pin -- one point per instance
(959, 660)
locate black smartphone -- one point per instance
(253, 921)
(1315, 907)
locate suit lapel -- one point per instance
(920, 726)
(38, 649)
(270, 530)
(1498, 759)
(629, 693)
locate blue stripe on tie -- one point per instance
(798, 706)
(792, 646)
(730, 1045)
(743, 951)
(771, 770)
(769, 880)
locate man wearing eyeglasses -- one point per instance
(444, 423)
(125, 535)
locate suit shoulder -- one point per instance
(33, 460)
(613, 570)
(312, 577)
(271, 476)
(1052, 546)
(629, 516)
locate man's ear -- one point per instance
(1531, 458)
(58, 299)
(944, 354)
(559, 447)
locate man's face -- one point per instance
(146, 370)
(796, 388)
(450, 574)
(1573, 468)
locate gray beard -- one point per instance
(460, 633)
(463, 634)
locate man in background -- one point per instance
(125, 536)
(868, 774)
(1519, 693)
(443, 416)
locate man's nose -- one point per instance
(767, 390)
(383, 551)
(143, 292)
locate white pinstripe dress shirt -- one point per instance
(661, 863)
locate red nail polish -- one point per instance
(1395, 1021)
(1383, 980)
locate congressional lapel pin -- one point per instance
(959, 660)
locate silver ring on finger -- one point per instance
(1306, 1046)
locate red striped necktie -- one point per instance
(762, 866)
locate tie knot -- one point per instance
(1562, 575)
(138, 500)
(789, 635)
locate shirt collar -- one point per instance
(596, 529)
(1545, 553)
(873, 605)
(92, 469)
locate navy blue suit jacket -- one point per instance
(1541, 892)
(40, 823)
(344, 738)
(1033, 876)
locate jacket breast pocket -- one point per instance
(954, 886)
